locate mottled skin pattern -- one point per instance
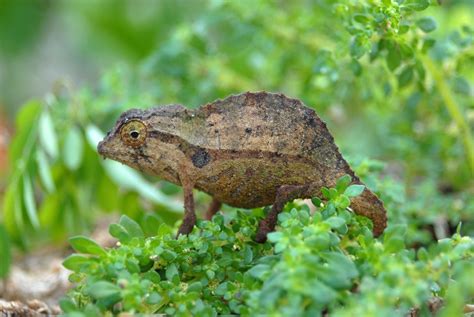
(248, 150)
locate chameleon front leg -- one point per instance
(284, 194)
(189, 219)
(213, 208)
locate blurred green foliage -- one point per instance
(78, 40)
(393, 79)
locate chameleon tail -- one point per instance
(370, 206)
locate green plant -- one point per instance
(326, 261)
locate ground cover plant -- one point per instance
(322, 262)
(393, 81)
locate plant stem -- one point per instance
(453, 109)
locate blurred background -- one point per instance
(393, 81)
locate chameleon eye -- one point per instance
(133, 133)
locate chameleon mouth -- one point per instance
(102, 149)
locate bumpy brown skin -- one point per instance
(248, 150)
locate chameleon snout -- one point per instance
(102, 148)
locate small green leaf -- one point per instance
(335, 222)
(359, 46)
(458, 228)
(44, 170)
(153, 276)
(28, 114)
(29, 200)
(427, 44)
(67, 305)
(397, 230)
(343, 202)
(406, 51)
(279, 247)
(405, 77)
(339, 272)
(427, 24)
(259, 271)
(321, 293)
(461, 85)
(325, 192)
(132, 227)
(355, 67)
(75, 262)
(26, 129)
(403, 28)
(343, 263)
(394, 238)
(221, 289)
(210, 274)
(218, 219)
(154, 298)
(5, 251)
(361, 18)
(354, 190)
(151, 223)
(343, 182)
(169, 255)
(394, 245)
(171, 272)
(317, 217)
(316, 201)
(73, 148)
(103, 289)
(422, 254)
(47, 135)
(85, 245)
(342, 229)
(417, 5)
(394, 56)
(319, 242)
(329, 210)
(284, 216)
(275, 236)
(119, 232)
(132, 266)
(248, 254)
(12, 213)
(420, 71)
(195, 287)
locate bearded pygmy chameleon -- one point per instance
(248, 150)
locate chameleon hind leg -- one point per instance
(213, 208)
(284, 194)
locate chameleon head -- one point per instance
(144, 140)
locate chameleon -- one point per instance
(248, 150)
